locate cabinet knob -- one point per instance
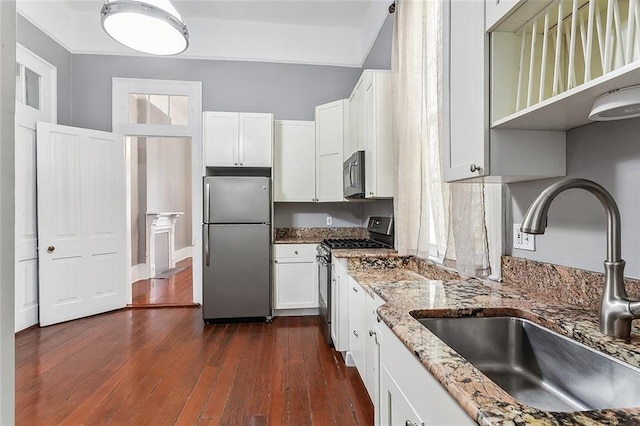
(51, 249)
(410, 423)
(474, 168)
(355, 333)
(355, 289)
(241, 164)
(296, 252)
(372, 333)
(235, 164)
(378, 318)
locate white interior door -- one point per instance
(81, 222)
(35, 101)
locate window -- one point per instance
(28, 86)
(145, 108)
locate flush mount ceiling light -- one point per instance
(152, 26)
(617, 104)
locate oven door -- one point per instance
(324, 293)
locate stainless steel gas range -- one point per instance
(380, 236)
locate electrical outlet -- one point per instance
(523, 241)
(329, 220)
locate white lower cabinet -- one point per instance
(409, 394)
(295, 276)
(340, 305)
(357, 340)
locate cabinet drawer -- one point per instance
(294, 250)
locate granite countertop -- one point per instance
(315, 235)
(406, 291)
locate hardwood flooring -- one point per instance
(165, 367)
(176, 290)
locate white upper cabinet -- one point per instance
(470, 149)
(332, 129)
(376, 122)
(356, 141)
(233, 139)
(550, 60)
(294, 169)
(370, 131)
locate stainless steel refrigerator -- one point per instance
(236, 248)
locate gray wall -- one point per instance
(314, 215)
(42, 45)
(379, 57)
(289, 91)
(609, 154)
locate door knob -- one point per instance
(50, 249)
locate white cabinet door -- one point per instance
(357, 338)
(408, 391)
(255, 140)
(372, 335)
(220, 139)
(296, 284)
(294, 171)
(340, 319)
(331, 128)
(466, 140)
(376, 126)
(295, 276)
(395, 408)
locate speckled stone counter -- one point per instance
(315, 235)
(410, 295)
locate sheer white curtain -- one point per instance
(433, 219)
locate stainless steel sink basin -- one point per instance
(538, 367)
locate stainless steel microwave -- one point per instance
(353, 176)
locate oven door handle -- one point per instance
(350, 174)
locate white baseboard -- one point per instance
(183, 253)
(295, 312)
(141, 271)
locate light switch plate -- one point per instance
(329, 220)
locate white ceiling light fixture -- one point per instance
(152, 26)
(617, 104)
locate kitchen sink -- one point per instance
(538, 367)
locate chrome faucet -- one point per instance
(616, 310)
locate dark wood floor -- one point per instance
(176, 290)
(164, 366)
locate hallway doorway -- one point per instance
(169, 289)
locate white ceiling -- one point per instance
(326, 32)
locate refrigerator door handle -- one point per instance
(206, 246)
(207, 202)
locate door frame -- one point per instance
(47, 112)
(121, 89)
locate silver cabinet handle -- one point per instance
(355, 289)
(355, 333)
(473, 168)
(410, 423)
